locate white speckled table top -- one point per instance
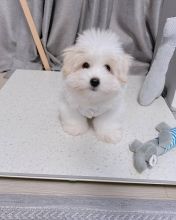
(32, 143)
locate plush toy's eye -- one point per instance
(108, 67)
(85, 65)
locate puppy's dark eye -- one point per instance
(108, 67)
(85, 65)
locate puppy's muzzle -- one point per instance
(94, 82)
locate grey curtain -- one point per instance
(59, 22)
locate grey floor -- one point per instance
(71, 207)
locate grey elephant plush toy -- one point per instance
(146, 154)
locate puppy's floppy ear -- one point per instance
(123, 64)
(72, 58)
(67, 55)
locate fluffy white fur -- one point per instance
(106, 61)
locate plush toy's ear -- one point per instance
(139, 156)
(139, 162)
(135, 146)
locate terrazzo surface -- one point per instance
(32, 142)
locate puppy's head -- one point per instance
(96, 66)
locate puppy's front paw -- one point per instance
(75, 128)
(109, 135)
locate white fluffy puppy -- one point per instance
(94, 77)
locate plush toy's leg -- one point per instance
(162, 126)
(135, 145)
(165, 139)
(164, 136)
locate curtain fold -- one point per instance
(137, 23)
(60, 21)
(59, 27)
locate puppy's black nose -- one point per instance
(94, 82)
